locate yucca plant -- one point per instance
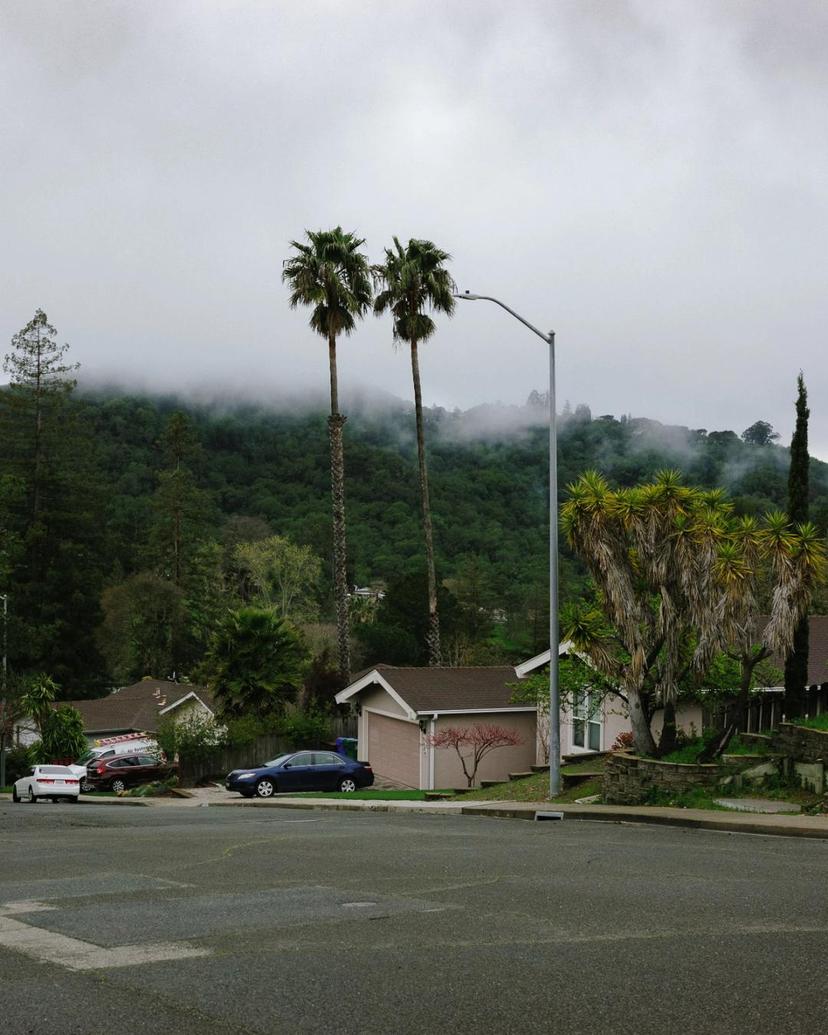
(682, 580)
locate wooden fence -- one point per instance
(220, 761)
(766, 710)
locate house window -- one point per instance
(586, 722)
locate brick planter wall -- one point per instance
(800, 743)
(627, 778)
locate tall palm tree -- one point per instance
(411, 280)
(331, 274)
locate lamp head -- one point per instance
(468, 295)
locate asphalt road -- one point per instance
(267, 920)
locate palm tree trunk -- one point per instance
(433, 633)
(335, 424)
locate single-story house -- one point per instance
(399, 708)
(139, 708)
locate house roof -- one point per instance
(817, 652)
(135, 707)
(467, 689)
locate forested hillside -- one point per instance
(148, 500)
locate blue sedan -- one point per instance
(301, 771)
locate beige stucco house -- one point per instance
(399, 708)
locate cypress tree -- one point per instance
(796, 665)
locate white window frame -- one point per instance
(586, 713)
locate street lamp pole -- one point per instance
(3, 673)
(554, 691)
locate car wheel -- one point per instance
(118, 786)
(265, 788)
(86, 786)
(15, 795)
(348, 785)
(32, 797)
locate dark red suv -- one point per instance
(122, 771)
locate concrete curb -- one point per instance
(98, 801)
(697, 819)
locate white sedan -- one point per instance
(47, 781)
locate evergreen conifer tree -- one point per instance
(50, 556)
(796, 665)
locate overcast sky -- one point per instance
(647, 178)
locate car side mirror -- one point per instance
(286, 765)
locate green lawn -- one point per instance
(819, 722)
(368, 795)
(532, 788)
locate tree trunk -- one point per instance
(642, 734)
(669, 734)
(718, 745)
(433, 632)
(335, 424)
(796, 671)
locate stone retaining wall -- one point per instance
(628, 778)
(801, 743)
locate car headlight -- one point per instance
(246, 776)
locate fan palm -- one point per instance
(330, 274)
(414, 279)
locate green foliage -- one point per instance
(305, 728)
(144, 618)
(194, 737)
(51, 535)
(255, 663)
(19, 761)
(62, 736)
(276, 573)
(267, 472)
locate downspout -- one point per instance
(432, 729)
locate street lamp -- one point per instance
(3, 674)
(554, 692)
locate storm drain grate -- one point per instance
(548, 815)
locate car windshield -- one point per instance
(54, 770)
(85, 758)
(274, 761)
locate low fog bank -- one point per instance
(392, 418)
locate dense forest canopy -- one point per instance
(149, 499)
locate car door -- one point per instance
(328, 770)
(296, 773)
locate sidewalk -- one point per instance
(735, 822)
(699, 819)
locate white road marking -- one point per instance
(49, 947)
(27, 906)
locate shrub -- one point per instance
(195, 737)
(18, 763)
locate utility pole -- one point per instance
(3, 675)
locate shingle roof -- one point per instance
(134, 707)
(444, 689)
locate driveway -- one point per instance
(186, 920)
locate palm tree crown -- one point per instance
(414, 279)
(331, 274)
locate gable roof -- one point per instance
(428, 690)
(135, 707)
(817, 652)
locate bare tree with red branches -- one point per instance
(473, 743)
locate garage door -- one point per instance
(394, 749)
